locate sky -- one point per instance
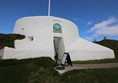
(95, 19)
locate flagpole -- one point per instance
(49, 4)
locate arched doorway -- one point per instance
(59, 48)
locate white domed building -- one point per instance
(47, 35)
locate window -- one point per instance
(30, 38)
(22, 28)
(57, 28)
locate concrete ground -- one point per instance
(88, 66)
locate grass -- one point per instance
(97, 61)
(8, 39)
(41, 70)
(37, 70)
(91, 76)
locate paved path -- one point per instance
(88, 66)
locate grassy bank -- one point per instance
(96, 61)
(8, 39)
(38, 70)
(91, 76)
(41, 70)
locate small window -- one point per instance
(22, 28)
(30, 38)
(57, 28)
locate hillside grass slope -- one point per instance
(41, 70)
(38, 70)
(8, 39)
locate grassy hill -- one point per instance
(8, 39)
(113, 44)
(38, 70)
(41, 70)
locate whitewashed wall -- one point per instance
(40, 28)
(83, 50)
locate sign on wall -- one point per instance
(57, 28)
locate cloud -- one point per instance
(76, 20)
(105, 28)
(89, 38)
(89, 23)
